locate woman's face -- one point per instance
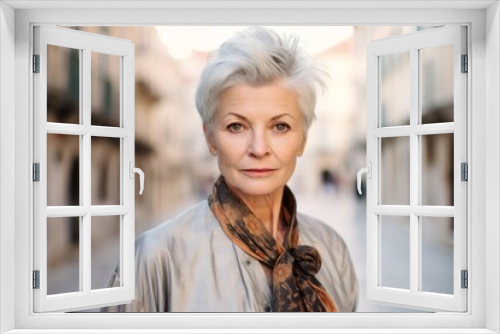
(257, 136)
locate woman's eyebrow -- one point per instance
(235, 114)
(282, 115)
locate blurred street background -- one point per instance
(170, 148)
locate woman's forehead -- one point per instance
(270, 99)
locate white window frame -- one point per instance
(414, 211)
(85, 43)
(483, 21)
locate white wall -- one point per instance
(7, 185)
(338, 16)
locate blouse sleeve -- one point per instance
(150, 280)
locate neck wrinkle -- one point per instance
(266, 208)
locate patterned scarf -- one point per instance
(295, 289)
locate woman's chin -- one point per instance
(256, 187)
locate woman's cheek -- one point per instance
(287, 147)
(234, 149)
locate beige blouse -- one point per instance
(188, 264)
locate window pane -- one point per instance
(105, 249)
(63, 260)
(105, 89)
(105, 171)
(437, 169)
(395, 89)
(63, 84)
(63, 170)
(395, 171)
(395, 252)
(437, 84)
(437, 254)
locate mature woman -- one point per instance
(246, 248)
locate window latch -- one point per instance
(363, 170)
(133, 170)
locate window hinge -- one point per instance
(36, 279)
(465, 279)
(465, 64)
(464, 171)
(36, 63)
(36, 172)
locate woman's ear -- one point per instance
(209, 140)
(302, 147)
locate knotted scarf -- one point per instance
(295, 289)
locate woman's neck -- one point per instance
(268, 209)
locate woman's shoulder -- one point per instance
(337, 271)
(313, 230)
(309, 224)
(187, 225)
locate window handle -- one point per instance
(138, 171)
(363, 170)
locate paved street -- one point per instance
(345, 214)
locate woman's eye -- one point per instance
(281, 127)
(235, 127)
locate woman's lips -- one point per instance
(258, 172)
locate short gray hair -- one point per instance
(257, 56)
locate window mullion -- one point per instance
(414, 172)
(122, 173)
(434, 129)
(127, 269)
(81, 169)
(85, 244)
(109, 210)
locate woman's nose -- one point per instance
(259, 146)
